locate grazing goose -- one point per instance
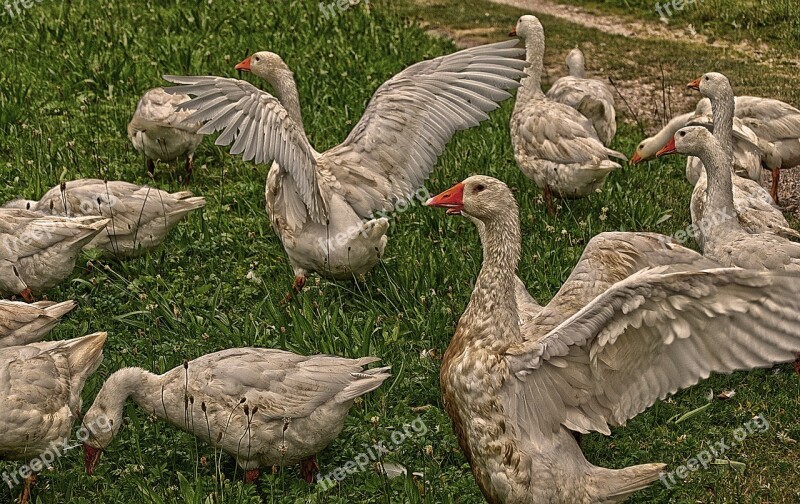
(639, 318)
(140, 216)
(23, 323)
(37, 252)
(777, 125)
(40, 389)
(725, 240)
(263, 407)
(591, 97)
(554, 145)
(153, 130)
(323, 205)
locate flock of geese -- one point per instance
(639, 318)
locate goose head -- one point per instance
(264, 64)
(575, 63)
(480, 198)
(691, 141)
(712, 84)
(528, 27)
(645, 151)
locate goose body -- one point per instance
(40, 390)
(554, 144)
(639, 318)
(263, 407)
(591, 97)
(37, 252)
(140, 217)
(323, 206)
(159, 129)
(23, 323)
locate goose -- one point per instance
(717, 88)
(153, 130)
(40, 389)
(323, 206)
(141, 216)
(639, 318)
(554, 144)
(23, 323)
(264, 407)
(777, 125)
(37, 252)
(591, 97)
(725, 240)
(756, 211)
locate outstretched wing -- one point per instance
(646, 337)
(258, 127)
(411, 117)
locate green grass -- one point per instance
(72, 75)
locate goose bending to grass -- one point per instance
(777, 125)
(591, 97)
(37, 252)
(323, 205)
(40, 389)
(755, 210)
(639, 318)
(23, 323)
(263, 407)
(153, 130)
(140, 216)
(554, 145)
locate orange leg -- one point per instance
(776, 177)
(189, 168)
(26, 492)
(797, 364)
(309, 468)
(27, 295)
(297, 286)
(548, 200)
(252, 475)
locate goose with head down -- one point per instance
(639, 318)
(323, 205)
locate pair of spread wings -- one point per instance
(640, 318)
(394, 146)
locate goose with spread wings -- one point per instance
(639, 318)
(323, 206)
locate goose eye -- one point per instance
(479, 188)
(706, 78)
(683, 133)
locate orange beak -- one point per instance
(695, 84)
(512, 33)
(452, 199)
(90, 457)
(636, 158)
(668, 149)
(244, 66)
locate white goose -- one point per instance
(554, 145)
(639, 318)
(756, 211)
(140, 216)
(322, 205)
(591, 97)
(264, 407)
(37, 252)
(23, 323)
(153, 133)
(40, 390)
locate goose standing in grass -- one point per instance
(37, 252)
(639, 318)
(153, 130)
(140, 216)
(23, 323)
(591, 97)
(777, 125)
(554, 144)
(263, 407)
(322, 205)
(40, 389)
(755, 210)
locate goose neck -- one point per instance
(531, 84)
(720, 213)
(722, 110)
(286, 90)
